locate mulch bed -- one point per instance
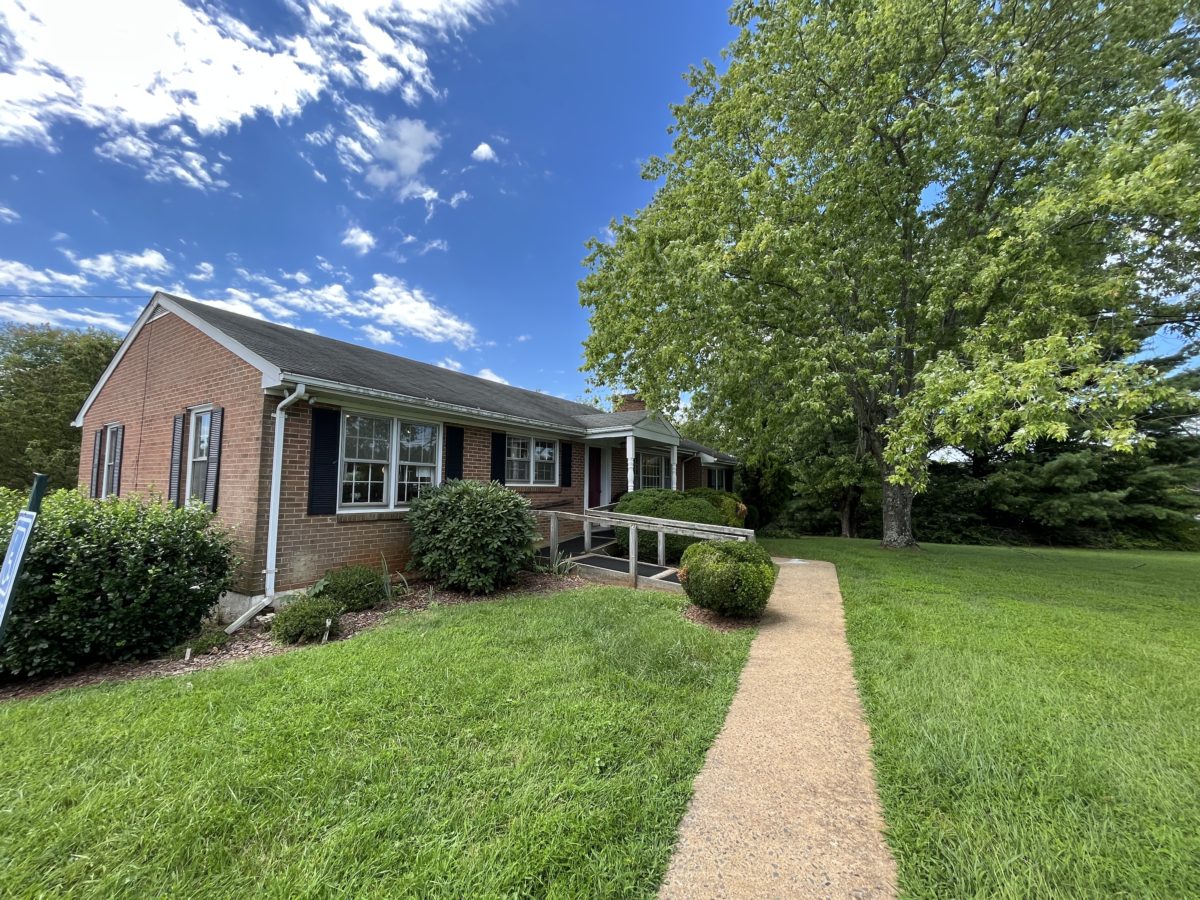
(253, 640)
(715, 621)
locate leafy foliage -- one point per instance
(110, 580)
(733, 578)
(45, 375)
(728, 504)
(471, 536)
(663, 504)
(303, 620)
(352, 588)
(936, 227)
(210, 637)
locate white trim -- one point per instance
(277, 488)
(640, 456)
(110, 432)
(392, 463)
(161, 301)
(191, 434)
(532, 462)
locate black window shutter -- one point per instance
(118, 446)
(215, 422)
(454, 452)
(564, 467)
(173, 491)
(729, 479)
(97, 463)
(323, 461)
(499, 451)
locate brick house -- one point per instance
(310, 449)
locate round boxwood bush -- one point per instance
(303, 620)
(733, 578)
(110, 580)
(352, 588)
(663, 504)
(471, 536)
(728, 504)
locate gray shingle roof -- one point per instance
(300, 353)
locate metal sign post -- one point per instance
(17, 544)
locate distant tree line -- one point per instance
(45, 375)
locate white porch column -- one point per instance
(674, 468)
(629, 462)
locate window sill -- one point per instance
(534, 487)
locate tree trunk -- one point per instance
(849, 512)
(897, 515)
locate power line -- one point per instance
(73, 296)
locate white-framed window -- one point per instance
(530, 460)
(386, 461)
(108, 479)
(650, 471)
(714, 478)
(199, 427)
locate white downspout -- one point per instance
(276, 480)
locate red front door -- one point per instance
(595, 461)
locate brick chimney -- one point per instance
(630, 403)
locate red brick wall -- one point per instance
(169, 367)
(310, 545)
(693, 474)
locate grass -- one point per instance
(532, 746)
(1035, 715)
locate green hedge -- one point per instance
(728, 504)
(110, 580)
(664, 504)
(471, 536)
(733, 578)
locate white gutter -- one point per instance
(276, 479)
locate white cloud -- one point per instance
(412, 310)
(121, 267)
(8, 216)
(452, 364)
(21, 277)
(460, 197)
(299, 276)
(26, 313)
(378, 335)
(484, 153)
(204, 272)
(436, 244)
(60, 236)
(359, 240)
(155, 75)
(522, 338)
(489, 375)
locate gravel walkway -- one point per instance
(785, 805)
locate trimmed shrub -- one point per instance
(304, 618)
(471, 536)
(211, 637)
(110, 580)
(352, 588)
(663, 504)
(733, 578)
(729, 505)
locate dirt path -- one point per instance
(786, 805)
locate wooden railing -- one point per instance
(604, 516)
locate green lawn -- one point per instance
(533, 746)
(1035, 715)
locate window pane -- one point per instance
(517, 471)
(418, 443)
(367, 437)
(518, 448)
(200, 425)
(363, 482)
(199, 479)
(412, 481)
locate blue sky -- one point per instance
(416, 175)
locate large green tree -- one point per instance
(45, 375)
(962, 216)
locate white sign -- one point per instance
(12, 560)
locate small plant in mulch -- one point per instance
(306, 619)
(210, 639)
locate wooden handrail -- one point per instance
(662, 527)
